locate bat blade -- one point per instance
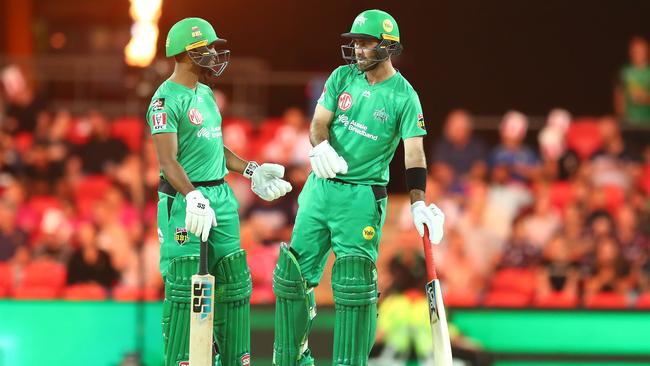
(201, 316)
(437, 316)
(439, 329)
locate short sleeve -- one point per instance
(162, 115)
(412, 119)
(329, 97)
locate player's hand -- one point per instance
(267, 182)
(325, 162)
(432, 217)
(199, 216)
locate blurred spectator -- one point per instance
(483, 244)
(271, 220)
(55, 236)
(521, 160)
(558, 162)
(41, 171)
(458, 154)
(23, 104)
(457, 268)
(290, 141)
(609, 273)
(635, 244)
(505, 200)
(614, 164)
(558, 272)
(519, 252)
(11, 237)
(102, 153)
(88, 263)
(632, 95)
(543, 222)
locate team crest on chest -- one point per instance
(345, 101)
(181, 236)
(380, 115)
(195, 116)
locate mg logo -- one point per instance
(195, 116)
(345, 101)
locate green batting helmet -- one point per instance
(188, 34)
(376, 24)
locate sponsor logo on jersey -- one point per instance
(195, 116)
(368, 232)
(184, 363)
(421, 121)
(181, 236)
(345, 101)
(344, 119)
(158, 104)
(196, 32)
(246, 359)
(380, 115)
(213, 133)
(388, 25)
(366, 94)
(159, 121)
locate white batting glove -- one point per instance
(266, 180)
(432, 217)
(326, 162)
(199, 216)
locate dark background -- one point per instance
(487, 56)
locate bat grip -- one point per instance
(428, 256)
(203, 258)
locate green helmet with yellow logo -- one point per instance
(196, 36)
(377, 25)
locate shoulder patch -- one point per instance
(158, 104)
(421, 121)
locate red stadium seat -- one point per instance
(130, 131)
(35, 293)
(514, 280)
(506, 299)
(584, 138)
(152, 294)
(44, 273)
(460, 299)
(126, 293)
(644, 180)
(23, 142)
(92, 292)
(643, 302)
(6, 279)
(556, 300)
(562, 194)
(606, 300)
(614, 198)
(90, 190)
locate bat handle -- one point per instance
(428, 256)
(203, 258)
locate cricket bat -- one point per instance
(437, 317)
(201, 313)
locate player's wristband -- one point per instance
(250, 168)
(416, 178)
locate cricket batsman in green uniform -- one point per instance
(365, 109)
(195, 204)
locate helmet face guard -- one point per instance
(209, 58)
(382, 52)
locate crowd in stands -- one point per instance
(562, 222)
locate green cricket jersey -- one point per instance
(194, 116)
(369, 121)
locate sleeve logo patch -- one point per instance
(158, 104)
(421, 121)
(159, 121)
